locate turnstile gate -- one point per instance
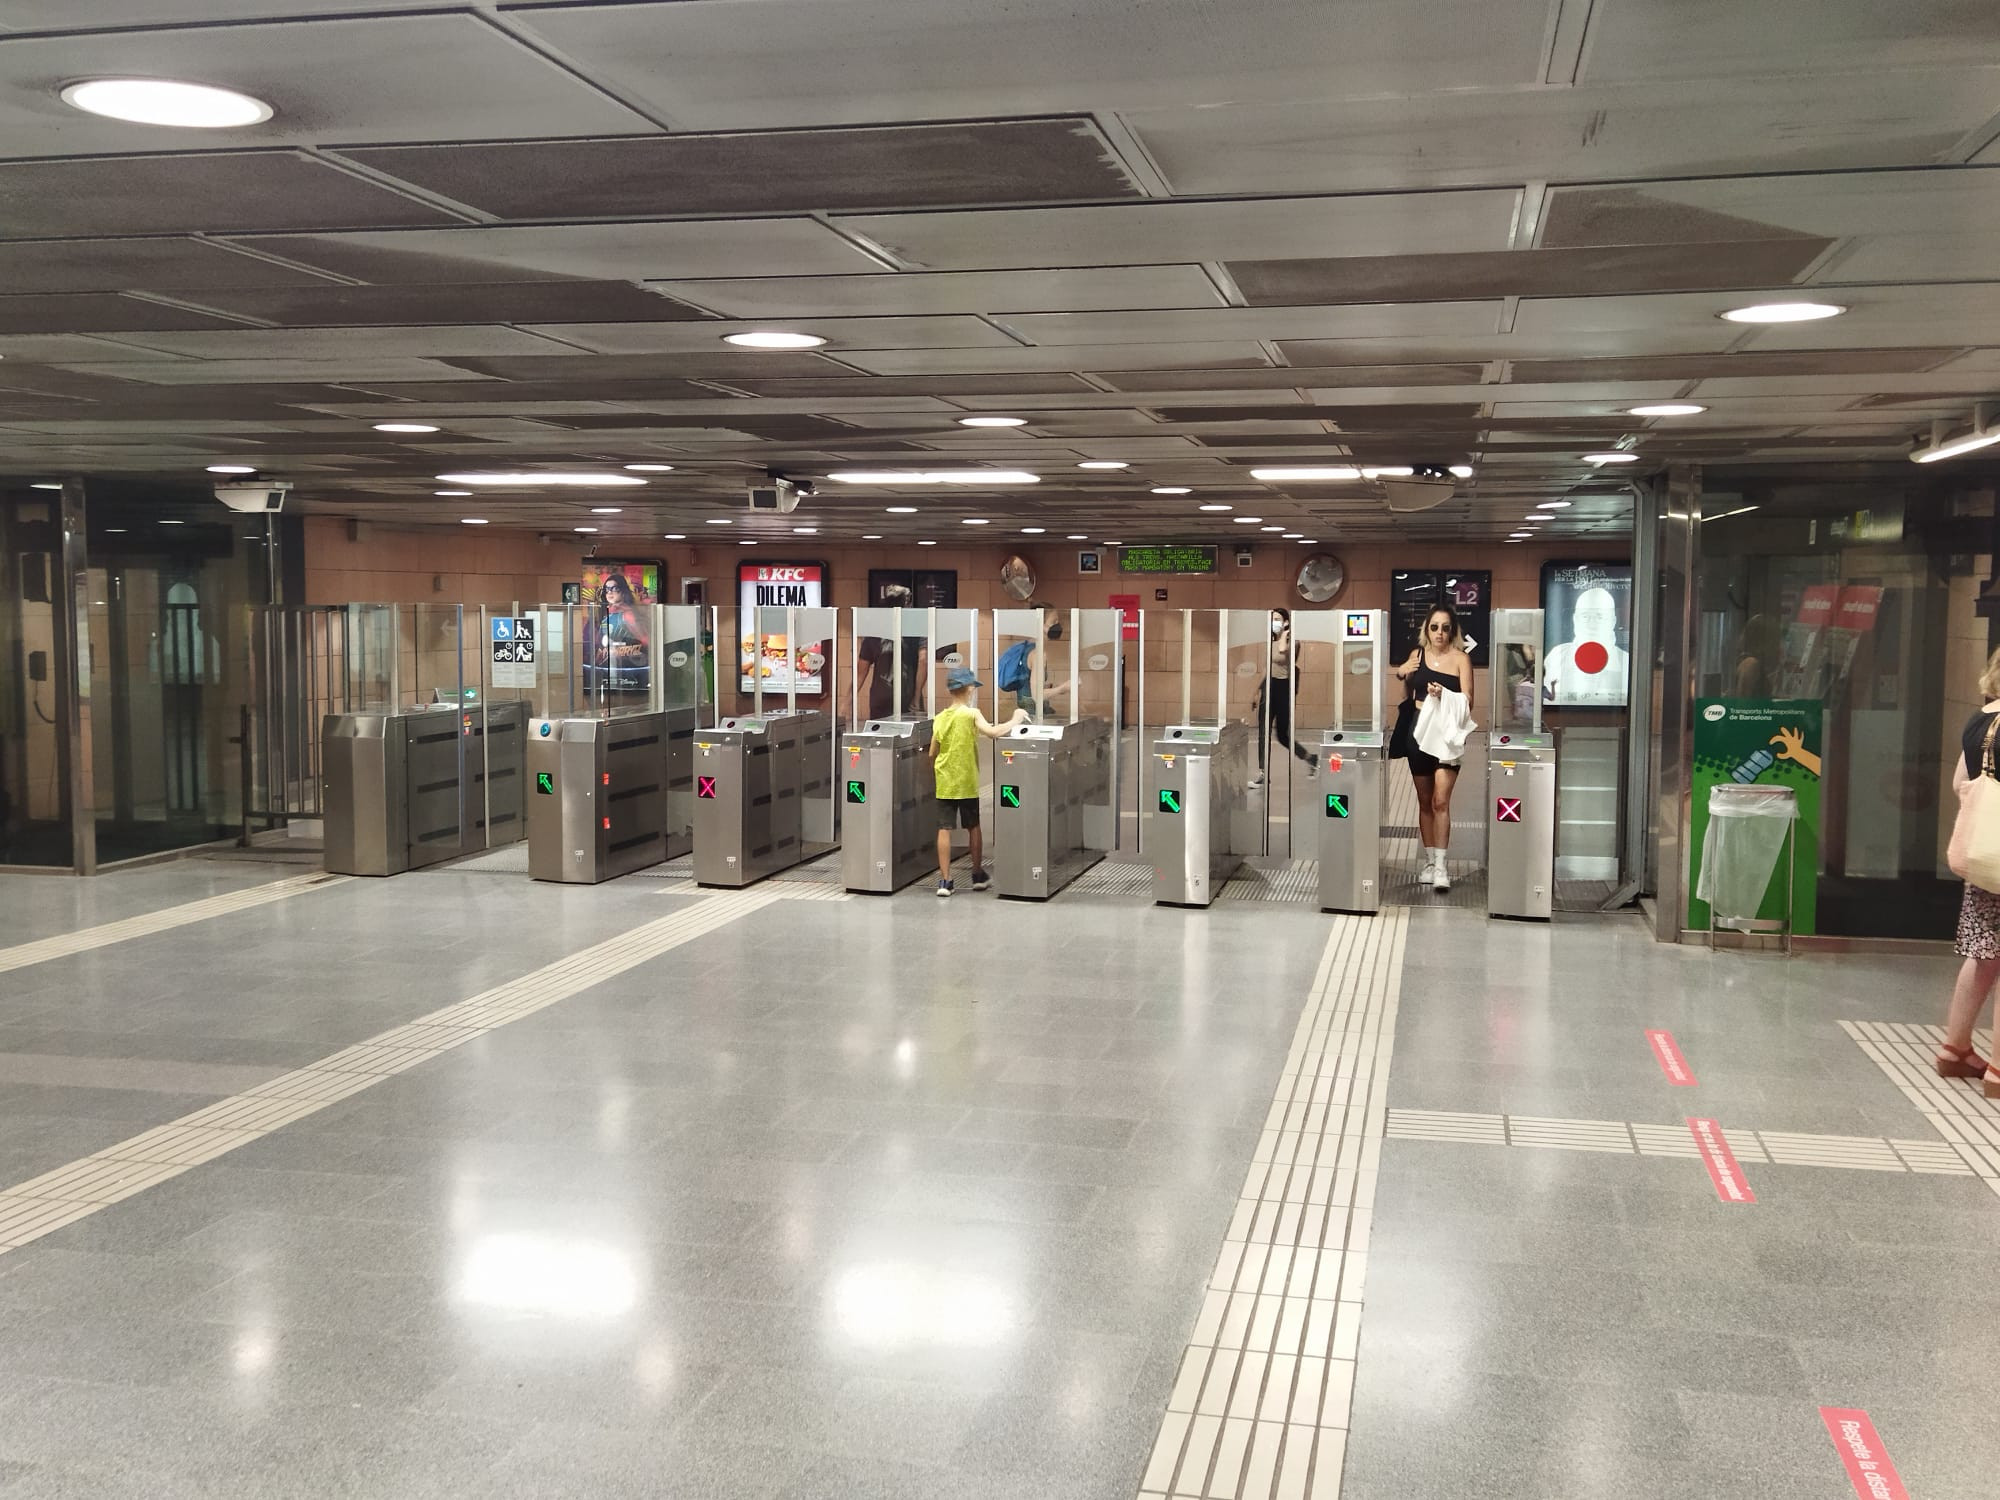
(888, 833)
(609, 794)
(1350, 825)
(762, 796)
(1047, 776)
(420, 785)
(1204, 776)
(1521, 837)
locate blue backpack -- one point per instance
(1013, 673)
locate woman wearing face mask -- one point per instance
(1438, 666)
(1274, 703)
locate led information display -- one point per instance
(1189, 559)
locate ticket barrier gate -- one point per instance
(888, 832)
(397, 795)
(610, 794)
(1521, 840)
(1048, 775)
(1203, 775)
(763, 796)
(1350, 827)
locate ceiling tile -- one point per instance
(601, 370)
(1358, 375)
(325, 304)
(1169, 233)
(1751, 363)
(158, 371)
(1825, 206)
(772, 171)
(66, 15)
(450, 342)
(1372, 320)
(139, 265)
(98, 312)
(942, 332)
(916, 293)
(1710, 38)
(217, 191)
(739, 63)
(1216, 356)
(1692, 338)
(1052, 383)
(378, 79)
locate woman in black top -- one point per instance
(1438, 665)
(1978, 916)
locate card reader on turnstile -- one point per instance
(1201, 772)
(1046, 777)
(1520, 775)
(888, 833)
(1350, 767)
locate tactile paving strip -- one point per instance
(144, 925)
(1956, 1108)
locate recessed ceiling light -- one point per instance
(538, 481)
(676, 536)
(45, 485)
(173, 523)
(1611, 458)
(805, 531)
(933, 476)
(1283, 476)
(1270, 528)
(231, 469)
(1078, 536)
(163, 101)
(1033, 530)
(1520, 536)
(901, 510)
(115, 530)
(771, 339)
(583, 528)
(1553, 505)
(1171, 489)
(404, 427)
(746, 544)
(873, 536)
(993, 421)
(1247, 520)
(472, 520)
(650, 468)
(1216, 507)
(1461, 471)
(975, 521)
(1105, 463)
(1114, 544)
(1294, 536)
(1308, 541)
(451, 492)
(1783, 312)
(926, 544)
(720, 521)
(606, 510)
(1665, 409)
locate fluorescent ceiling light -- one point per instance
(606, 510)
(1172, 489)
(1783, 312)
(676, 536)
(1283, 476)
(770, 339)
(1308, 541)
(1741, 510)
(1461, 471)
(231, 469)
(1520, 536)
(47, 484)
(926, 544)
(1666, 409)
(472, 520)
(1611, 458)
(1105, 463)
(1553, 505)
(540, 481)
(1033, 530)
(975, 521)
(1078, 536)
(173, 523)
(901, 510)
(163, 101)
(1270, 528)
(720, 521)
(586, 529)
(873, 536)
(451, 492)
(1247, 520)
(1293, 536)
(404, 427)
(650, 468)
(746, 544)
(993, 421)
(1400, 472)
(933, 476)
(1984, 433)
(1215, 507)
(805, 531)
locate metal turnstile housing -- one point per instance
(1046, 776)
(888, 834)
(763, 796)
(1204, 775)
(1521, 826)
(602, 802)
(1350, 822)
(426, 784)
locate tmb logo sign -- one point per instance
(1507, 810)
(704, 786)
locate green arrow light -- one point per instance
(1170, 800)
(857, 791)
(1336, 804)
(1010, 794)
(545, 783)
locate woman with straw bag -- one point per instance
(1975, 858)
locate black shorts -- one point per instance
(958, 812)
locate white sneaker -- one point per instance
(1429, 871)
(1440, 877)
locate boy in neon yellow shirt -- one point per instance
(955, 735)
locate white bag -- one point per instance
(1974, 855)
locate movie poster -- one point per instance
(1586, 634)
(619, 600)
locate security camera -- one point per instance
(778, 494)
(256, 496)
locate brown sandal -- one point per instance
(1961, 1062)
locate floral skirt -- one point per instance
(1979, 924)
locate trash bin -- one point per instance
(1747, 831)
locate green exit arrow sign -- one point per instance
(1336, 805)
(857, 791)
(545, 783)
(1170, 800)
(1010, 795)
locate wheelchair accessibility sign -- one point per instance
(513, 651)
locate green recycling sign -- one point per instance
(1768, 742)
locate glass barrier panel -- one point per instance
(1020, 669)
(1088, 656)
(677, 671)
